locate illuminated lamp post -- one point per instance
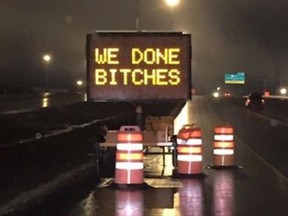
(172, 4)
(283, 91)
(79, 83)
(47, 59)
(216, 94)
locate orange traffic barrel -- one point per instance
(129, 156)
(223, 146)
(189, 150)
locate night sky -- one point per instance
(227, 36)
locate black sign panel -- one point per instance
(138, 66)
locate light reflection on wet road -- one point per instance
(164, 196)
(192, 194)
(29, 102)
(223, 194)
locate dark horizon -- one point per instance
(227, 37)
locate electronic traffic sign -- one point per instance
(138, 66)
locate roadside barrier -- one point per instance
(223, 146)
(129, 156)
(189, 150)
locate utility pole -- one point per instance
(137, 10)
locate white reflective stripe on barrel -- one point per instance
(223, 151)
(129, 165)
(223, 137)
(194, 141)
(181, 141)
(189, 158)
(130, 146)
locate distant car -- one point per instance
(255, 102)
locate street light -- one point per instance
(283, 91)
(171, 4)
(216, 94)
(80, 86)
(79, 83)
(47, 59)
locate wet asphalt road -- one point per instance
(258, 186)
